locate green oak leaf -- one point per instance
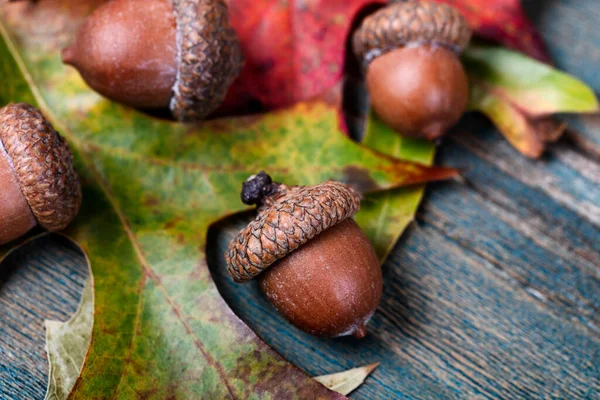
(377, 211)
(519, 94)
(384, 216)
(151, 189)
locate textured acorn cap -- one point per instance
(411, 23)
(287, 219)
(209, 58)
(43, 165)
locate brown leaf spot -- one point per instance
(172, 223)
(151, 201)
(359, 179)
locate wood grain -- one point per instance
(42, 280)
(494, 292)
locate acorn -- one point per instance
(313, 262)
(37, 180)
(410, 54)
(180, 54)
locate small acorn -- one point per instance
(313, 262)
(37, 180)
(410, 54)
(180, 54)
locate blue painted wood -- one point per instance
(494, 291)
(43, 280)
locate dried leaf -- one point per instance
(66, 344)
(345, 382)
(518, 94)
(151, 190)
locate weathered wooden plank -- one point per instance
(42, 280)
(480, 334)
(565, 176)
(533, 240)
(495, 292)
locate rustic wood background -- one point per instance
(494, 292)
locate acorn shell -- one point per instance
(43, 165)
(209, 58)
(407, 23)
(289, 219)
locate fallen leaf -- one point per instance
(519, 94)
(296, 50)
(384, 216)
(151, 190)
(66, 345)
(347, 381)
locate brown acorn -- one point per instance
(313, 262)
(37, 180)
(410, 54)
(181, 54)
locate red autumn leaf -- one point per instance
(296, 50)
(503, 21)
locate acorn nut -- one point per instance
(37, 180)
(313, 262)
(410, 53)
(180, 54)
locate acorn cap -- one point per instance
(413, 22)
(209, 58)
(42, 164)
(288, 217)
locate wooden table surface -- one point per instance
(494, 292)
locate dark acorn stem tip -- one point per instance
(257, 188)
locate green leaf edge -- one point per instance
(530, 81)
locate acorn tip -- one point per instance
(68, 55)
(434, 130)
(360, 332)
